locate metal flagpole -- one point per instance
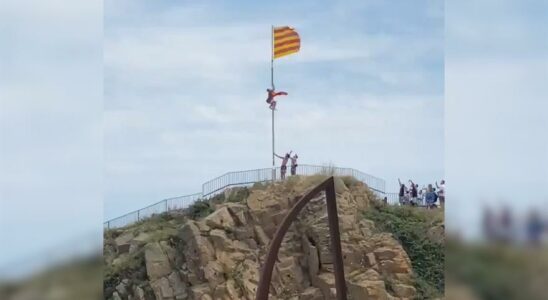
(272, 83)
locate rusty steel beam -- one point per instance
(266, 274)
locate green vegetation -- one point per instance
(499, 272)
(413, 228)
(328, 170)
(199, 209)
(79, 278)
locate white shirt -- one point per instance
(441, 191)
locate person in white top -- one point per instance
(441, 192)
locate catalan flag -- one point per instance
(286, 41)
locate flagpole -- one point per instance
(272, 83)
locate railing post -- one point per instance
(138, 215)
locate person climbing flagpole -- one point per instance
(284, 41)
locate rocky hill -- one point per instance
(214, 249)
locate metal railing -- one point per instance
(153, 209)
(241, 178)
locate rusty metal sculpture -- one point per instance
(266, 274)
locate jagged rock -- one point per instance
(219, 257)
(162, 289)
(121, 289)
(189, 231)
(203, 227)
(396, 266)
(372, 290)
(229, 260)
(200, 292)
(250, 277)
(261, 236)
(290, 274)
(198, 251)
(157, 262)
(370, 258)
(221, 293)
(123, 242)
(214, 274)
(115, 296)
(138, 293)
(403, 290)
(238, 211)
(178, 287)
(325, 282)
(251, 243)
(232, 289)
(220, 219)
(141, 239)
(385, 253)
(243, 233)
(311, 293)
(220, 240)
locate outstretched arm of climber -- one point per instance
(278, 156)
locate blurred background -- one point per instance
(51, 152)
(50, 149)
(496, 149)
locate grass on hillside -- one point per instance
(412, 227)
(499, 272)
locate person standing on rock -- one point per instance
(413, 192)
(441, 192)
(430, 198)
(403, 190)
(285, 159)
(294, 164)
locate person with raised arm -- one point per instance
(285, 159)
(414, 194)
(271, 95)
(401, 194)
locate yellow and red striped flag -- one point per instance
(286, 41)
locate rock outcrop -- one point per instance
(220, 256)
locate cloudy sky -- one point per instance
(184, 86)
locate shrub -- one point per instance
(199, 209)
(350, 181)
(411, 226)
(498, 271)
(238, 195)
(328, 170)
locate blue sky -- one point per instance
(185, 88)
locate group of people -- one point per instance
(285, 159)
(503, 226)
(427, 195)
